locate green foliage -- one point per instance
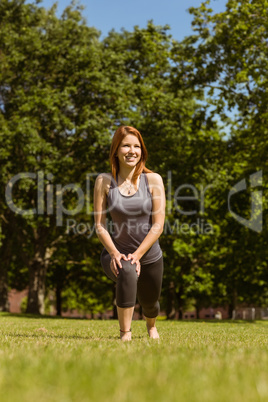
(23, 304)
(226, 61)
(63, 92)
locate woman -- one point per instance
(131, 257)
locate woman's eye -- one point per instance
(128, 146)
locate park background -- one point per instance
(198, 95)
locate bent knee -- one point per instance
(128, 270)
(151, 311)
(127, 266)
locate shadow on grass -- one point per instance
(46, 316)
(207, 321)
(50, 336)
(215, 321)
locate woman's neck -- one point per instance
(126, 174)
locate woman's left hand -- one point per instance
(135, 260)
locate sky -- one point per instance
(108, 14)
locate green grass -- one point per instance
(65, 360)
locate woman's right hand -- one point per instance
(115, 262)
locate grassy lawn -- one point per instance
(50, 359)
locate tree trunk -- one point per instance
(232, 305)
(37, 275)
(4, 304)
(171, 310)
(5, 258)
(58, 299)
(180, 301)
(36, 295)
(180, 316)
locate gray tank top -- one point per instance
(132, 219)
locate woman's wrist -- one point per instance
(113, 253)
(137, 254)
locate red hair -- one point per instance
(119, 135)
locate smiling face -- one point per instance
(129, 151)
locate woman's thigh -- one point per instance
(105, 259)
(150, 280)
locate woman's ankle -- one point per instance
(151, 328)
(125, 335)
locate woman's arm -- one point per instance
(158, 216)
(101, 186)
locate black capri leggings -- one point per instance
(146, 287)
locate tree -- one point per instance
(63, 93)
(53, 118)
(227, 60)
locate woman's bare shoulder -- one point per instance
(154, 178)
(104, 177)
(103, 181)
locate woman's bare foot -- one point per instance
(125, 335)
(153, 332)
(151, 328)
